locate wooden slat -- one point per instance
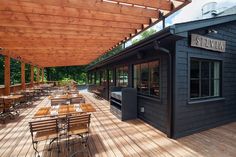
(111, 137)
(32, 8)
(159, 4)
(97, 5)
(38, 30)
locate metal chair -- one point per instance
(44, 130)
(9, 108)
(79, 125)
(58, 101)
(75, 100)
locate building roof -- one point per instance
(177, 30)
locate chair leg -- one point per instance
(35, 144)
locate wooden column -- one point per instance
(7, 75)
(38, 72)
(42, 75)
(31, 75)
(22, 75)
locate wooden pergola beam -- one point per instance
(97, 5)
(31, 75)
(7, 75)
(32, 8)
(165, 5)
(38, 75)
(73, 32)
(22, 75)
(8, 15)
(42, 80)
(62, 27)
(56, 31)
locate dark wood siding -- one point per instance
(156, 109)
(190, 118)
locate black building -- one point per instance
(185, 76)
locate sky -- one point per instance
(192, 11)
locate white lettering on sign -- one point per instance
(207, 43)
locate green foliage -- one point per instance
(15, 71)
(27, 73)
(108, 54)
(144, 35)
(76, 73)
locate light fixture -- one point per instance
(209, 31)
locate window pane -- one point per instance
(117, 77)
(144, 78)
(125, 76)
(205, 88)
(205, 70)
(154, 78)
(215, 87)
(215, 70)
(136, 75)
(111, 77)
(194, 88)
(195, 69)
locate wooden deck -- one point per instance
(113, 138)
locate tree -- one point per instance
(144, 35)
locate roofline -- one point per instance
(176, 29)
(157, 36)
(192, 25)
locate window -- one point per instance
(110, 72)
(204, 78)
(103, 77)
(147, 78)
(98, 79)
(122, 76)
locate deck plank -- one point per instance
(113, 138)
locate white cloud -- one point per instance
(193, 10)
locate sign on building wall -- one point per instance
(207, 43)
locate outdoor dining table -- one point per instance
(12, 98)
(65, 96)
(63, 110)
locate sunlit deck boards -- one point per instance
(111, 137)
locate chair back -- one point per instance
(78, 121)
(42, 126)
(75, 100)
(58, 101)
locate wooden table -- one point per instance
(63, 110)
(12, 97)
(66, 96)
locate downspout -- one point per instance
(170, 107)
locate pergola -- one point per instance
(49, 33)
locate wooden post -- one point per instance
(38, 72)
(42, 75)
(22, 75)
(7, 75)
(31, 75)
